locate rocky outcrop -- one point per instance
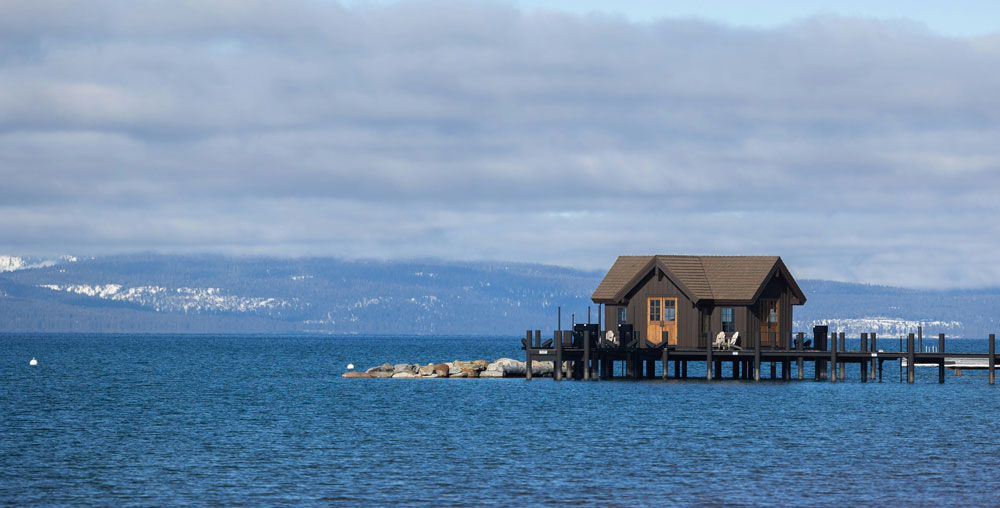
(503, 367)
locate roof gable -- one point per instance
(737, 279)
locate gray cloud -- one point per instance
(856, 149)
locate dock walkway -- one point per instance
(588, 355)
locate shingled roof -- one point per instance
(721, 278)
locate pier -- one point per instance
(588, 353)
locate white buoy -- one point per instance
(33, 361)
(350, 366)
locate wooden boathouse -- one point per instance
(720, 310)
(686, 301)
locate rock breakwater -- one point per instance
(503, 367)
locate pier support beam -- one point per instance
(756, 357)
(910, 360)
(833, 358)
(708, 362)
(864, 362)
(665, 357)
(586, 351)
(875, 350)
(527, 356)
(557, 338)
(798, 346)
(774, 369)
(843, 347)
(993, 358)
(941, 362)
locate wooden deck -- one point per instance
(589, 356)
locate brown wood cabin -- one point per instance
(688, 300)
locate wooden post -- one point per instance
(920, 338)
(798, 347)
(993, 358)
(557, 368)
(864, 362)
(875, 350)
(774, 369)
(527, 357)
(708, 361)
(833, 357)
(910, 360)
(586, 350)
(843, 347)
(666, 357)
(941, 362)
(684, 369)
(718, 369)
(736, 369)
(756, 357)
(677, 369)
(650, 367)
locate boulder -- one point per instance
(541, 369)
(404, 374)
(478, 365)
(441, 369)
(385, 367)
(426, 370)
(509, 367)
(454, 370)
(458, 374)
(356, 374)
(491, 373)
(471, 372)
(380, 373)
(405, 367)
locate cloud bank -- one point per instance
(856, 149)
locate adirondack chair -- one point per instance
(720, 341)
(731, 343)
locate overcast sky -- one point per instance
(857, 145)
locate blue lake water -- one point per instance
(268, 421)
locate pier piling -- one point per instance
(864, 364)
(798, 346)
(910, 360)
(756, 357)
(586, 350)
(708, 362)
(941, 362)
(833, 358)
(993, 358)
(557, 368)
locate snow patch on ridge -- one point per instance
(183, 299)
(881, 325)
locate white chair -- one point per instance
(731, 343)
(720, 341)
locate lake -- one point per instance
(268, 421)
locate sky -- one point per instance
(857, 142)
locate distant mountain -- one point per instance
(151, 293)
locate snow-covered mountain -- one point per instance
(200, 293)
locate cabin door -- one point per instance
(662, 318)
(769, 323)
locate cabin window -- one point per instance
(669, 310)
(728, 323)
(654, 310)
(622, 314)
(772, 315)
